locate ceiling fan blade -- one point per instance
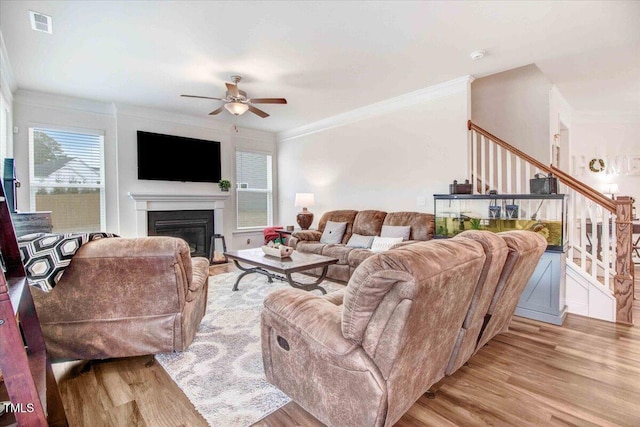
(268, 101)
(257, 111)
(233, 89)
(217, 111)
(203, 97)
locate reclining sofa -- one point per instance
(364, 223)
(124, 297)
(408, 317)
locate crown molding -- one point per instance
(8, 83)
(185, 119)
(63, 102)
(605, 117)
(379, 108)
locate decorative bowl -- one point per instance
(280, 252)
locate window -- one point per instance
(254, 190)
(66, 174)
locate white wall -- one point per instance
(514, 106)
(131, 119)
(120, 124)
(41, 109)
(612, 137)
(560, 115)
(382, 161)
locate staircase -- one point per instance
(599, 265)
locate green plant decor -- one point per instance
(475, 224)
(224, 184)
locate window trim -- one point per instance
(6, 131)
(69, 129)
(268, 191)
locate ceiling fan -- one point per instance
(237, 102)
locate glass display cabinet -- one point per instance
(542, 213)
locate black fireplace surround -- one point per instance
(195, 227)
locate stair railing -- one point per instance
(599, 228)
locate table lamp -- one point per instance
(611, 190)
(304, 218)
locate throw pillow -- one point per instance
(46, 255)
(396, 231)
(381, 244)
(360, 241)
(333, 232)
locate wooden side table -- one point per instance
(283, 234)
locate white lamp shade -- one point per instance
(305, 200)
(236, 108)
(610, 189)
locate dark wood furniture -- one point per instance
(31, 222)
(636, 242)
(29, 382)
(284, 235)
(266, 265)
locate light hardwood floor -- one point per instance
(585, 373)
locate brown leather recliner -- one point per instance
(365, 362)
(407, 317)
(124, 297)
(525, 250)
(365, 223)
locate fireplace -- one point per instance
(195, 227)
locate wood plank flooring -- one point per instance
(585, 373)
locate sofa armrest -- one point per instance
(309, 235)
(405, 243)
(311, 316)
(200, 267)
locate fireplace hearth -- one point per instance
(195, 227)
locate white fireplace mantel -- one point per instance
(145, 202)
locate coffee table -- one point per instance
(269, 265)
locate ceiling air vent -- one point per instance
(40, 22)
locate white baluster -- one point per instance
(474, 171)
(483, 168)
(499, 184)
(509, 173)
(583, 232)
(518, 176)
(491, 165)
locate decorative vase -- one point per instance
(305, 219)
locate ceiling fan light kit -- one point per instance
(236, 108)
(237, 102)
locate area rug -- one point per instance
(221, 372)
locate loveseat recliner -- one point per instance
(363, 358)
(124, 297)
(365, 223)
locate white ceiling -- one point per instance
(325, 57)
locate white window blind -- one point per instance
(66, 171)
(254, 196)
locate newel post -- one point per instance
(623, 281)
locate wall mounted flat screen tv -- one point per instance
(176, 158)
